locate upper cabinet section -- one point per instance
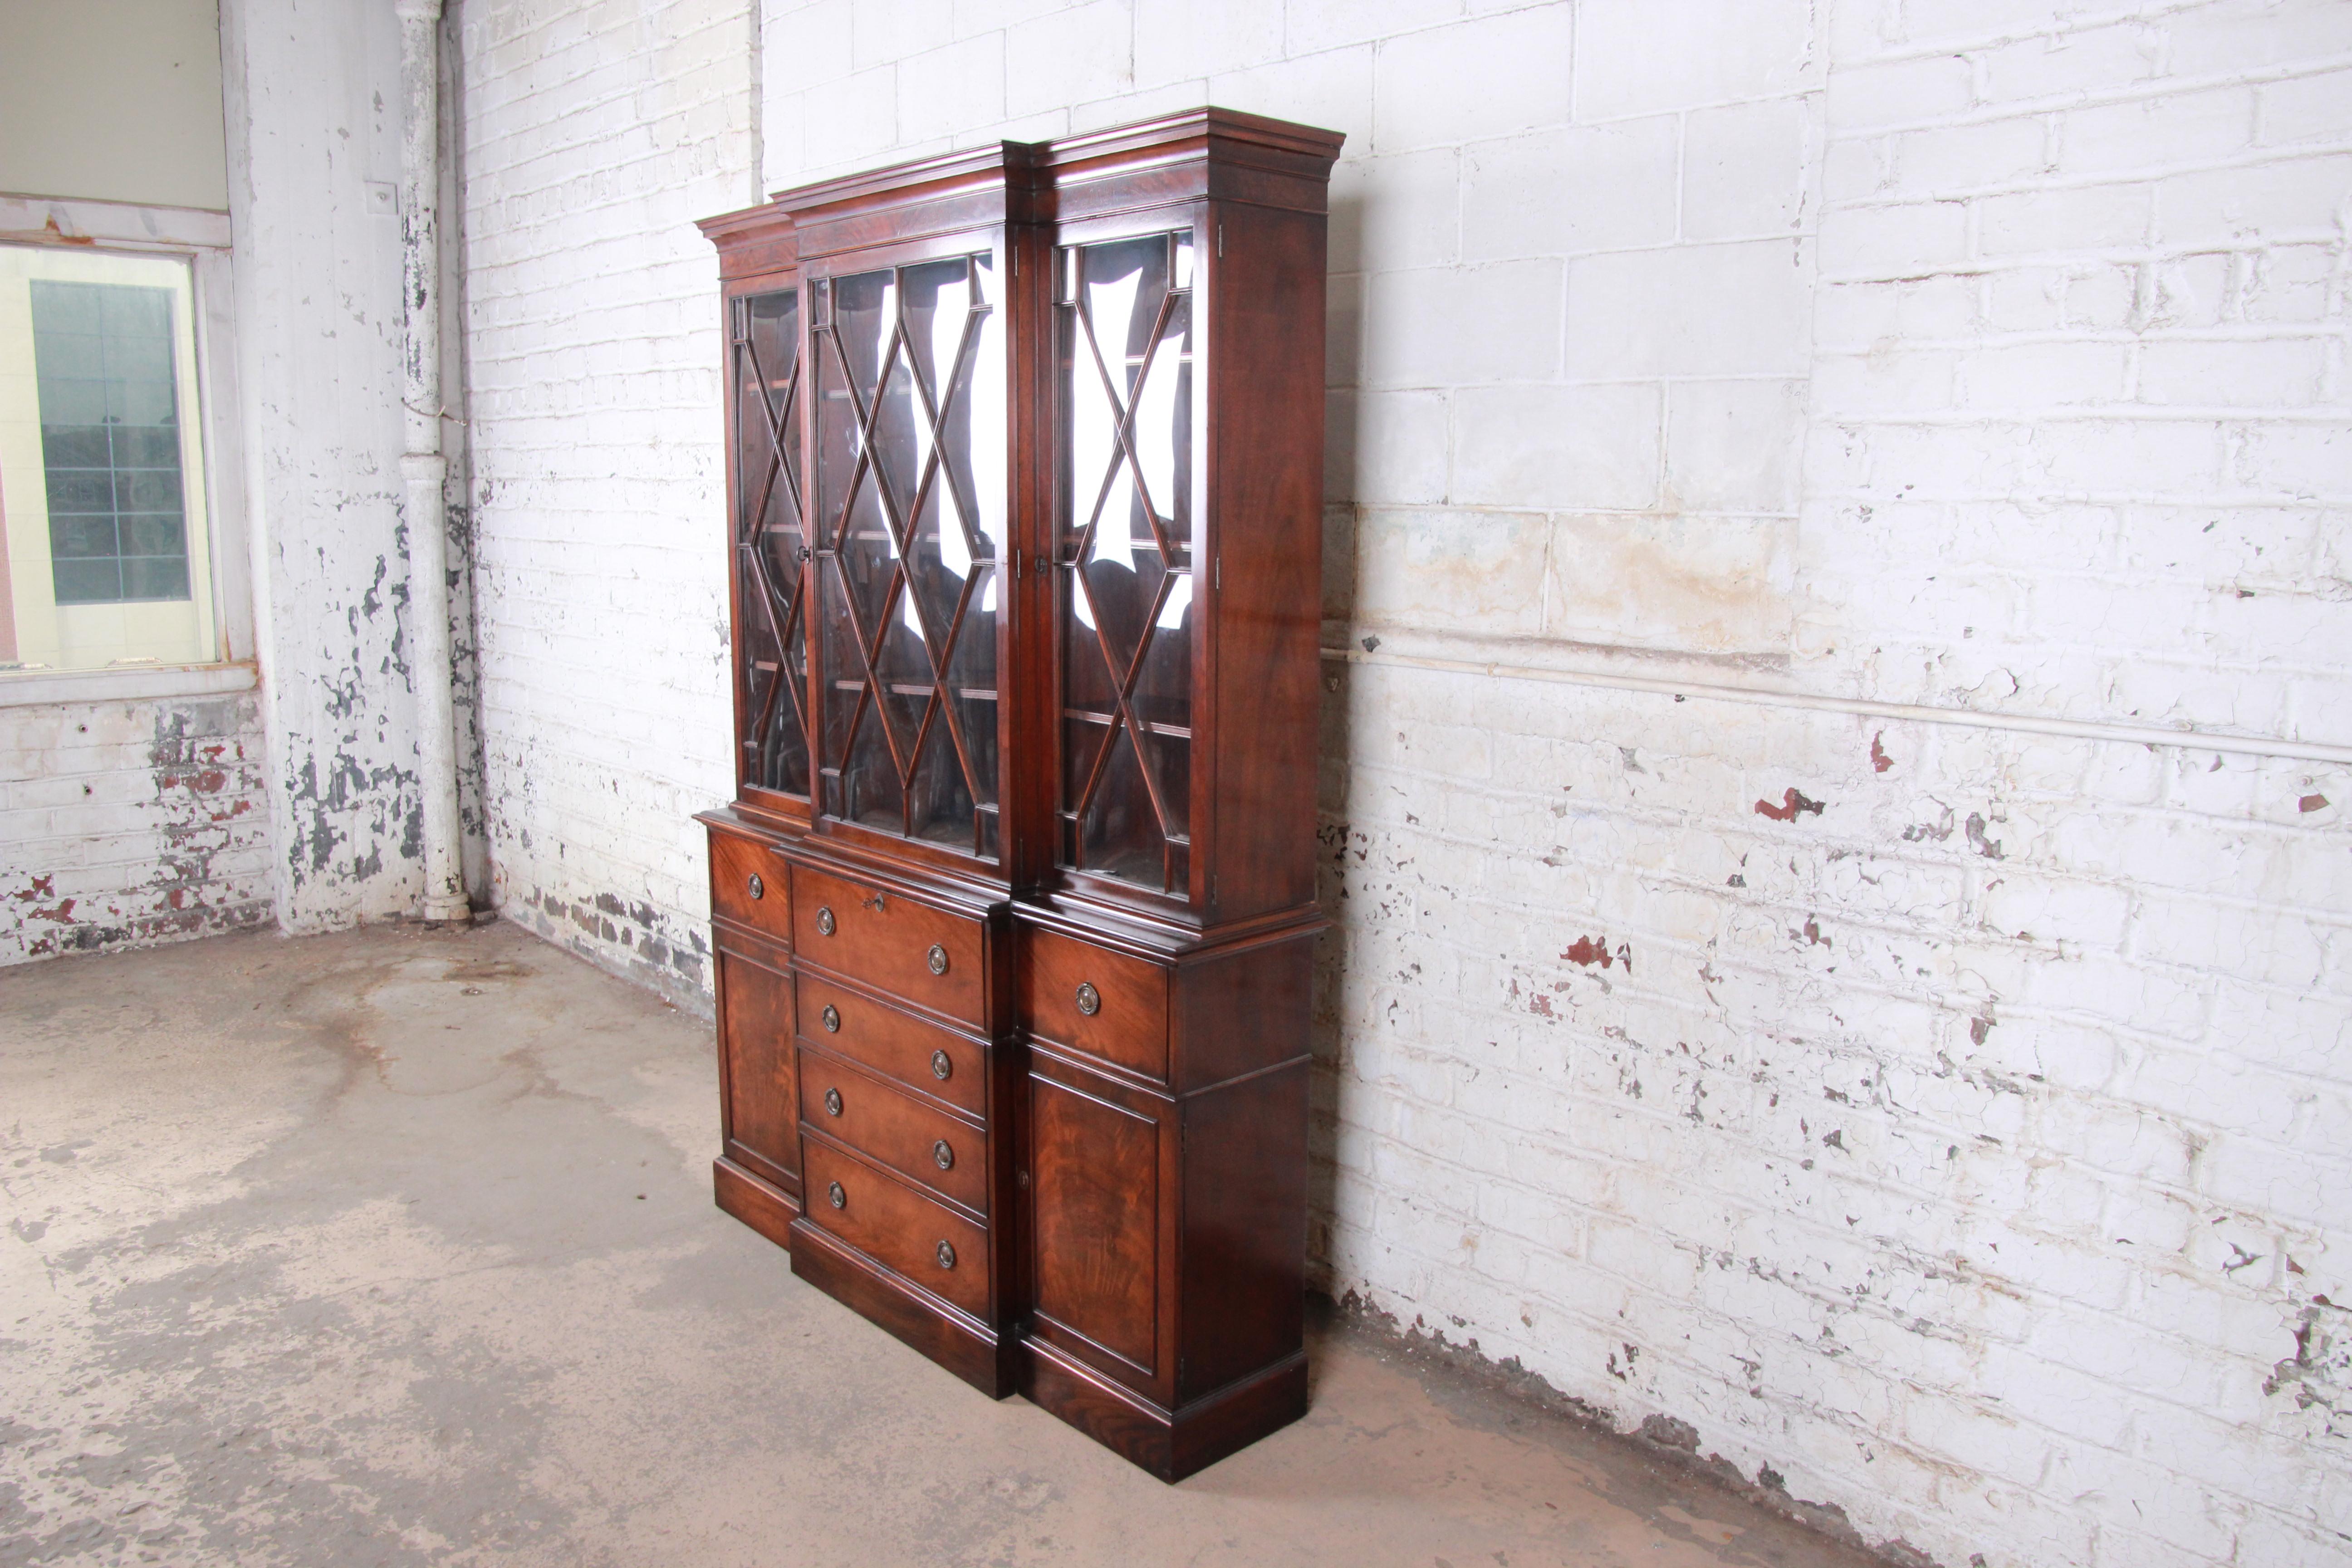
(1027, 493)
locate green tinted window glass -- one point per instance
(111, 441)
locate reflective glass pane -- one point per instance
(910, 482)
(1124, 495)
(109, 394)
(769, 541)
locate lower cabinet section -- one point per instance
(1054, 1158)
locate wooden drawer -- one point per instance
(1062, 978)
(898, 1226)
(928, 957)
(932, 1061)
(919, 1141)
(749, 885)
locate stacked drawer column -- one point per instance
(903, 1062)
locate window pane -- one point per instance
(104, 554)
(102, 357)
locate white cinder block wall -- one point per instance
(1795, 466)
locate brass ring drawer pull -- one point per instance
(937, 959)
(946, 1255)
(1089, 999)
(942, 1156)
(759, 889)
(941, 1065)
(833, 1194)
(824, 921)
(833, 1108)
(832, 1020)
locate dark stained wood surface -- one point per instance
(887, 940)
(965, 1346)
(896, 1225)
(1095, 1217)
(942, 1151)
(760, 1110)
(749, 886)
(895, 1043)
(758, 1204)
(1130, 1026)
(1244, 1219)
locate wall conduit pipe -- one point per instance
(422, 468)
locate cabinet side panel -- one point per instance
(1241, 1307)
(1265, 414)
(1243, 1013)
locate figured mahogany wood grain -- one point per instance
(760, 1106)
(884, 937)
(895, 1129)
(1130, 1026)
(1170, 1444)
(1094, 1169)
(737, 863)
(897, 1226)
(897, 1044)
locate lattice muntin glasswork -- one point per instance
(910, 506)
(771, 545)
(1124, 544)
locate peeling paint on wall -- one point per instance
(131, 823)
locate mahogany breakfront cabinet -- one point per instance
(1013, 905)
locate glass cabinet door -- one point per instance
(770, 652)
(910, 501)
(1124, 534)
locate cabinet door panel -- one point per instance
(1094, 1219)
(910, 491)
(756, 1059)
(1123, 498)
(770, 644)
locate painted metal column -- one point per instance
(422, 468)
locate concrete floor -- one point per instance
(397, 1247)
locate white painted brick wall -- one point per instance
(1944, 1123)
(314, 99)
(128, 823)
(593, 136)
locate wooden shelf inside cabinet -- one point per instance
(1024, 493)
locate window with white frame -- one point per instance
(109, 557)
